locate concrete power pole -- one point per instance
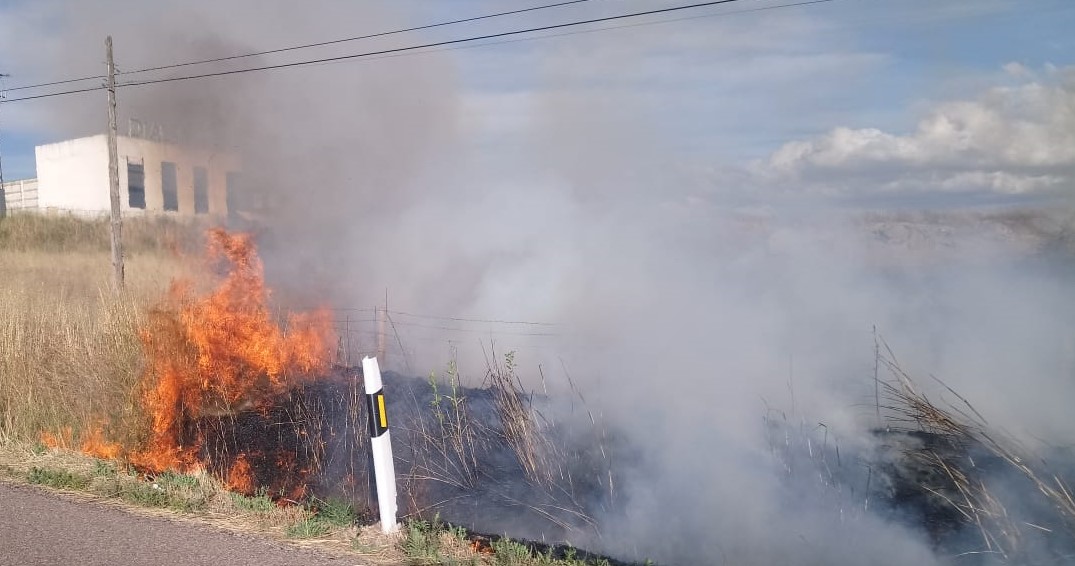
(113, 174)
(3, 196)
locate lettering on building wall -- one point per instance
(145, 130)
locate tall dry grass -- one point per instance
(1019, 500)
(70, 357)
(66, 233)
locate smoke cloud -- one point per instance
(691, 299)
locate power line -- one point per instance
(607, 28)
(434, 317)
(337, 323)
(434, 44)
(476, 330)
(479, 320)
(51, 94)
(310, 45)
(402, 50)
(357, 38)
(53, 83)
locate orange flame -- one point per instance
(95, 445)
(222, 353)
(59, 440)
(241, 476)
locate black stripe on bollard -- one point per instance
(378, 417)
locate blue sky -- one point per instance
(719, 92)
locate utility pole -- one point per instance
(3, 194)
(113, 174)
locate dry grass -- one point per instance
(69, 351)
(521, 428)
(64, 233)
(1023, 512)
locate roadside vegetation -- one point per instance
(330, 526)
(69, 350)
(436, 542)
(71, 362)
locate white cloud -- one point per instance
(1011, 139)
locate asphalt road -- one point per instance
(39, 528)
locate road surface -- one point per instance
(39, 528)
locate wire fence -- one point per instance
(403, 336)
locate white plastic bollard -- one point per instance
(384, 469)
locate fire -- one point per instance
(221, 353)
(60, 440)
(481, 547)
(95, 445)
(241, 476)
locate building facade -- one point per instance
(154, 178)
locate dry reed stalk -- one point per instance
(962, 430)
(519, 427)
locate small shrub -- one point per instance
(164, 496)
(422, 542)
(61, 479)
(144, 495)
(307, 528)
(334, 512)
(173, 479)
(510, 553)
(103, 468)
(458, 533)
(260, 503)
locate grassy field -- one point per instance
(69, 350)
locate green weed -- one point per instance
(61, 479)
(510, 553)
(259, 503)
(173, 479)
(333, 512)
(422, 542)
(103, 468)
(308, 528)
(147, 495)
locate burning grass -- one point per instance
(69, 349)
(221, 354)
(115, 377)
(209, 401)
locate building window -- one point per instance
(169, 186)
(231, 192)
(136, 185)
(201, 190)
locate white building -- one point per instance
(154, 177)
